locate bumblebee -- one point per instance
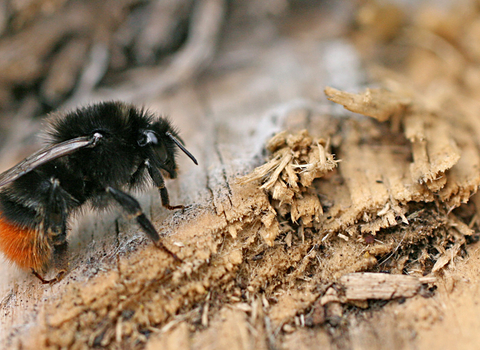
(93, 156)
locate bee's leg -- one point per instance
(55, 225)
(134, 211)
(159, 181)
(60, 260)
(54, 280)
(40, 277)
(137, 176)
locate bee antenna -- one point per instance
(179, 144)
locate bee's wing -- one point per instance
(45, 155)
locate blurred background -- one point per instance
(57, 54)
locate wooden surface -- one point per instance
(266, 77)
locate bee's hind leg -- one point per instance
(54, 280)
(60, 263)
(55, 226)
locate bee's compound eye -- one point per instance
(147, 137)
(161, 152)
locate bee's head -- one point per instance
(162, 142)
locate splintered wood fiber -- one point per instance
(437, 142)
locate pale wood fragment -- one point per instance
(364, 286)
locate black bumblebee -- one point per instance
(94, 154)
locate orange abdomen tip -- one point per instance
(23, 246)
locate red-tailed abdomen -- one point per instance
(26, 247)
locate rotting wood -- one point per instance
(241, 248)
(434, 138)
